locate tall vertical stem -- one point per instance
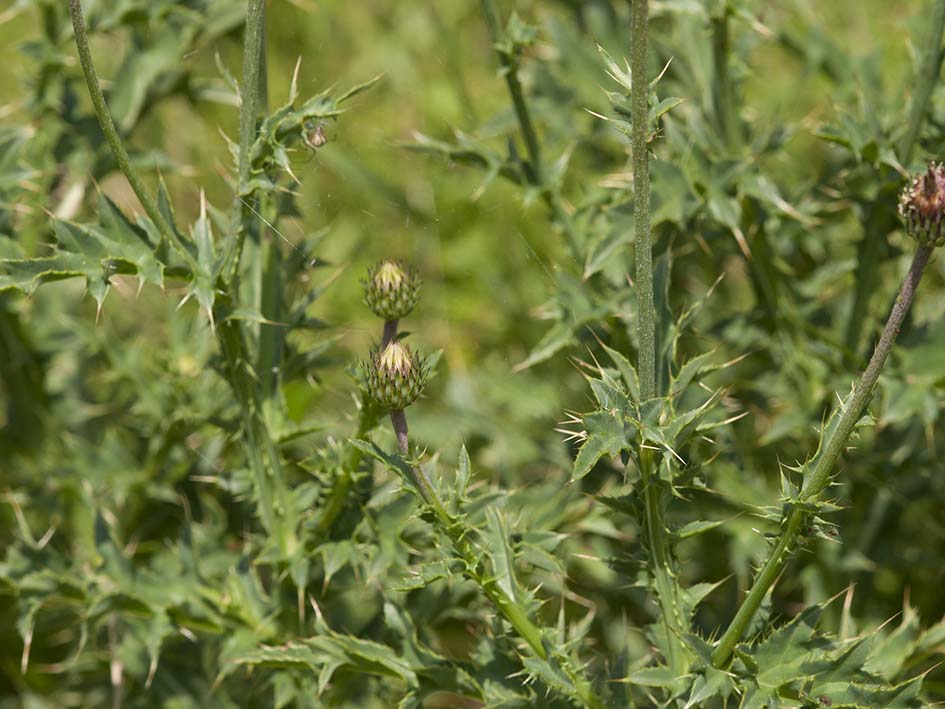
(660, 557)
(822, 464)
(639, 94)
(249, 88)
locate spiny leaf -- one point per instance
(605, 434)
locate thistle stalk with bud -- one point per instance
(393, 378)
(922, 210)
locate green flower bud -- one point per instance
(391, 290)
(395, 376)
(922, 206)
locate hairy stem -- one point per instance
(534, 169)
(878, 225)
(250, 86)
(660, 558)
(510, 609)
(112, 138)
(639, 94)
(822, 464)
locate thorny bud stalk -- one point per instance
(922, 206)
(391, 290)
(395, 376)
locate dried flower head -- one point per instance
(391, 290)
(922, 206)
(395, 376)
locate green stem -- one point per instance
(660, 558)
(639, 90)
(112, 138)
(510, 609)
(250, 86)
(534, 170)
(273, 507)
(878, 225)
(662, 565)
(510, 71)
(723, 99)
(929, 67)
(822, 464)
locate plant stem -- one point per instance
(724, 103)
(925, 81)
(534, 170)
(661, 568)
(822, 464)
(878, 225)
(639, 90)
(510, 71)
(660, 559)
(511, 610)
(273, 508)
(250, 86)
(112, 138)
(390, 332)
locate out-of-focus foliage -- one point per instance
(143, 563)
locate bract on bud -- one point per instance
(922, 206)
(395, 376)
(391, 290)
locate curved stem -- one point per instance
(510, 609)
(113, 139)
(822, 464)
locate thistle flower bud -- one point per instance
(395, 376)
(922, 206)
(391, 291)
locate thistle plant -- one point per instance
(394, 378)
(200, 507)
(922, 207)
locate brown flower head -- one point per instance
(922, 206)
